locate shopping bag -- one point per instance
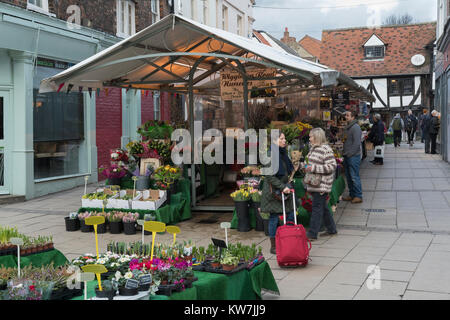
(369, 146)
(379, 152)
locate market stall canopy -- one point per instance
(164, 54)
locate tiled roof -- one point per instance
(312, 45)
(342, 49)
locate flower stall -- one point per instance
(181, 271)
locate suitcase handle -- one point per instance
(284, 207)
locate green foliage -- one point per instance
(155, 130)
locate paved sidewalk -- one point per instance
(409, 241)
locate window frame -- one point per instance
(123, 26)
(205, 12)
(224, 18)
(193, 10)
(401, 87)
(41, 9)
(383, 53)
(240, 26)
(156, 110)
(154, 14)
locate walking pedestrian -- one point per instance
(397, 126)
(352, 158)
(270, 201)
(323, 163)
(426, 131)
(376, 136)
(411, 126)
(434, 130)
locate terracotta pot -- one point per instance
(228, 267)
(215, 265)
(28, 251)
(50, 245)
(22, 252)
(164, 283)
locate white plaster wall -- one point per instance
(5, 69)
(381, 85)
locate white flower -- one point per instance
(118, 276)
(101, 261)
(124, 259)
(114, 155)
(90, 260)
(128, 275)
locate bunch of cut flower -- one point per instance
(113, 171)
(119, 155)
(255, 195)
(251, 171)
(241, 195)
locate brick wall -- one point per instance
(147, 111)
(18, 3)
(90, 17)
(109, 125)
(165, 106)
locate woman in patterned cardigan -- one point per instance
(321, 161)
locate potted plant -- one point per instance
(256, 204)
(72, 222)
(143, 182)
(122, 282)
(101, 228)
(50, 242)
(115, 222)
(229, 262)
(215, 263)
(109, 290)
(241, 199)
(166, 179)
(82, 216)
(129, 222)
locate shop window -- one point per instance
(374, 52)
(126, 22)
(402, 86)
(240, 26)
(193, 11)
(205, 12)
(58, 131)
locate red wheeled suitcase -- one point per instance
(292, 244)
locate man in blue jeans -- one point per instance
(352, 158)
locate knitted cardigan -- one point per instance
(322, 161)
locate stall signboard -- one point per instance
(231, 84)
(341, 99)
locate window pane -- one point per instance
(58, 131)
(122, 22)
(374, 52)
(408, 87)
(2, 136)
(130, 21)
(394, 88)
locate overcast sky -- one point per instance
(312, 16)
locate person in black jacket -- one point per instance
(435, 126)
(411, 127)
(376, 136)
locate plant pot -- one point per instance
(50, 246)
(114, 181)
(266, 226)
(129, 228)
(72, 224)
(101, 228)
(85, 228)
(215, 265)
(143, 183)
(110, 294)
(259, 220)
(128, 292)
(228, 267)
(242, 212)
(164, 290)
(144, 287)
(115, 227)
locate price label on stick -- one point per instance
(132, 284)
(147, 279)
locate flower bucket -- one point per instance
(129, 228)
(259, 220)
(115, 227)
(142, 183)
(114, 181)
(85, 228)
(72, 224)
(101, 228)
(242, 212)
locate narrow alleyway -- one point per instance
(403, 227)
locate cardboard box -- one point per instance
(116, 203)
(144, 200)
(87, 203)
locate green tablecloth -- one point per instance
(178, 210)
(37, 260)
(244, 285)
(303, 216)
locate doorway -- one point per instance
(4, 186)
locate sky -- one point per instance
(312, 16)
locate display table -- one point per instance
(243, 285)
(179, 208)
(37, 260)
(304, 216)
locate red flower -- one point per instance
(32, 288)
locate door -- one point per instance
(4, 186)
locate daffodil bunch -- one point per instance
(167, 174)
(241, 195)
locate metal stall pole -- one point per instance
(191, 129)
